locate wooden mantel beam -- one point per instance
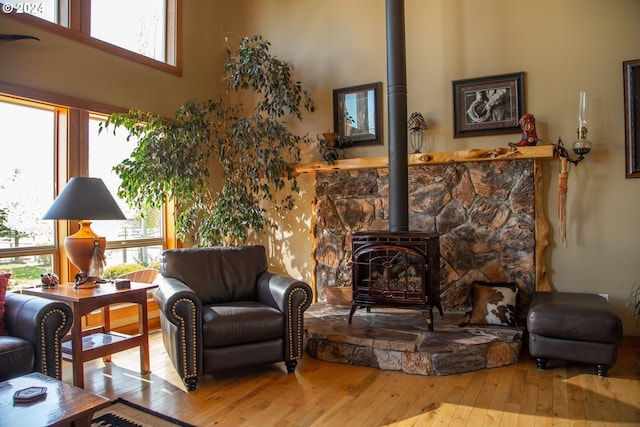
(435, 158)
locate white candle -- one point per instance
(582, 109)
(582, 115)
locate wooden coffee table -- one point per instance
(100, 341)
(64, 404)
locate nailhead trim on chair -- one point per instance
(183, 341)
(56, 344)
(300, 314)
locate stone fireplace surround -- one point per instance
(487, 207)
(488, 215)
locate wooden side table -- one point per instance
(64, 404)
(100, 341)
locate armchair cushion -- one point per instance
(17, 357)
(240, 323)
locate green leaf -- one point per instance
(172, 157)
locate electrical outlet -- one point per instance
(605, 296)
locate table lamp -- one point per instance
(85, 199)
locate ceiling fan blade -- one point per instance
(14, 37)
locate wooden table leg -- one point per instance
(106, 324)
(143, 327)
(76, 348)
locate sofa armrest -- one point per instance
(292, 297)
(181, 323)
(42, 322)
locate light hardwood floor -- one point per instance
(328, 394)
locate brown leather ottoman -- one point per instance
(573, 326)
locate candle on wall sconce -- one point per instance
(581, 145)
(582, 115)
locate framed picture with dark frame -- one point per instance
(488, 105)
(632, 116)
(357, 112)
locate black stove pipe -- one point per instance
(397, 100)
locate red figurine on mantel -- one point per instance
(529, 135)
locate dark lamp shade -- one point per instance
(84, 198)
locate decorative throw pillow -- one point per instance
(4, 284)
(494, 303)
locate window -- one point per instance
(142, 29)
(145, 31)
(124, 238)
(38, 142)
(27, 243)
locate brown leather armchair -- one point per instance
(221, 309)
(36, 327)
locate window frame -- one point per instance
(52, 249)
(71, 154)
(75, 17)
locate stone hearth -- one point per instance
(399, 340)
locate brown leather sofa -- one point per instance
(221, 309)
(36, 327)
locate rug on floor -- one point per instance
(122, 413)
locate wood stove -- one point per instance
(396, 269)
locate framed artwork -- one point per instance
(488, 105)
(357, 112)
(632, 116)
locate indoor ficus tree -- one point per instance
(252, 146)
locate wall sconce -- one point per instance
(582, 145)
(417, 126)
